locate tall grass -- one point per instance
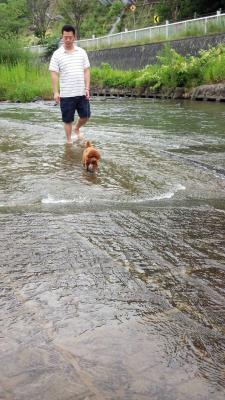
(22, 76)
(24, 82)
(109, 77)
(12, 51)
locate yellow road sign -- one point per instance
(132, 8)
(156, 19)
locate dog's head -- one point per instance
(91, 157)
(92, 161)
(92, 165)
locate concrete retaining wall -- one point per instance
(137, 57)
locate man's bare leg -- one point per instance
(80, 122)
(68, 131)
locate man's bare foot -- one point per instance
(79, 136)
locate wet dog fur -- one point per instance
(91, 157)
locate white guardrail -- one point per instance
(167, 31)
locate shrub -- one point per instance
(50, 47)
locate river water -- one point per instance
(112, 285)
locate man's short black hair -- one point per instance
(68, 28)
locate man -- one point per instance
(70, 65)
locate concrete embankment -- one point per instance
(138, 56)
(201, 93)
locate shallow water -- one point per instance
(112, 286)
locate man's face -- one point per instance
(68, 39)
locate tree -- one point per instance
(181, 9)
(13, 16)
(207, 7)
(73, 12)
(39, 11)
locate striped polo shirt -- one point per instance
(70, 66)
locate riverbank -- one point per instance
(214, 93)
(175, 76)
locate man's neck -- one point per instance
(70, 49)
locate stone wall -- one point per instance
(214, 92)
(137, 57)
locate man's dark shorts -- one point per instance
(69, 105)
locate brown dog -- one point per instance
(91, 157)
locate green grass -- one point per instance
(24, 82)
(12, 51)
(108, 77)
(22, 75)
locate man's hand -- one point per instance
(87, 82)
(54, 78)
(57, 97)
(87, 93)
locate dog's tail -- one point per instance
(88, 143)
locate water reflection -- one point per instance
(92, 177)
(72, 155)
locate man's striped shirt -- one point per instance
(70, 66)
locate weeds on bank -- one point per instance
(23, 82)
(212, 64)
(12, 51)
(108, 77)
(22, 76)
(172, 70)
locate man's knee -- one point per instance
(84, 119)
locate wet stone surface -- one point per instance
(112, 287)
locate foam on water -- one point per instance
(167, 195)
(52, 200)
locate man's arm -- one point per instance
(87, 82)
(55, 78)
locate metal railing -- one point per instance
(167, 31)
(37, 49)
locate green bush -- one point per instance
(50, 46)
(108, 77)
(212, 64)
(149, 77)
